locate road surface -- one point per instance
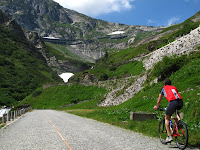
(57, 130)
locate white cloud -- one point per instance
(95, 8)
(195, 1)
(172, 20)
(150, 21)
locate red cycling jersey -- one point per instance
(170, 92)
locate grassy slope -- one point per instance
(186, 79)
(61, 53)
(58, 96)
(60, 50)
(22, 70)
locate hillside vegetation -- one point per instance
(22, 69)
(62, 60)
(186, 79)
(113, 60)
(63, 53)
(184, 72)
(62, 96)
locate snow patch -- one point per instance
(51, 38)
(116, 32)
(66, 76)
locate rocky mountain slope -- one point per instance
(87, 35)
(121, 72)
(182, 46)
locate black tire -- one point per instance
(182, 140)
(162, 132)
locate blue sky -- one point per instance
(136, 12)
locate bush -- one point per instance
(104, 77)
(113, 68)
(5, 98)
(36, 93)
(168, 66)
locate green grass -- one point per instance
(104, 72)
(2, 125)
(22, 69)
(185, 76)
(186, 79)
(117, 71)
(58, 96)
(126, 54)
(62, 50)
(141, 36)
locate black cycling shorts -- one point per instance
(173, 105)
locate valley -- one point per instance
(117, 68)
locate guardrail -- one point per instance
(12, 115)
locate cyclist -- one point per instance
(175, 102)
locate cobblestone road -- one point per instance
(56, 130)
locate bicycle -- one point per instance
(178, 130)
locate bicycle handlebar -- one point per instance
(162, 109)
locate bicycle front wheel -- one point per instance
(162, 132)
(182, 139)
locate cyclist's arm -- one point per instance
(159, 100)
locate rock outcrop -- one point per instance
(183, 45)
(112, 99)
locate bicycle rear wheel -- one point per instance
(182, 139)
(162, 132)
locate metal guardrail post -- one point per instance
(14, 114)
(11, 115)
(4, 118)
(8, 116)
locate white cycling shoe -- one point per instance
(169, 139)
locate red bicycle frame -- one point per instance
(174, 131)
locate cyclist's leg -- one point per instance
(169, 111)
(177, 115)
(179, 106)
(167, 118)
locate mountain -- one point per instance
(127, 72)
(22, 67)
(133, 79)
(91, 37)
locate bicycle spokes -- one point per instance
(162, 132)
(182, 136)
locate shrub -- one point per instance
(36, 93)
(168, 66)
(5, 99)
(104, 77)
